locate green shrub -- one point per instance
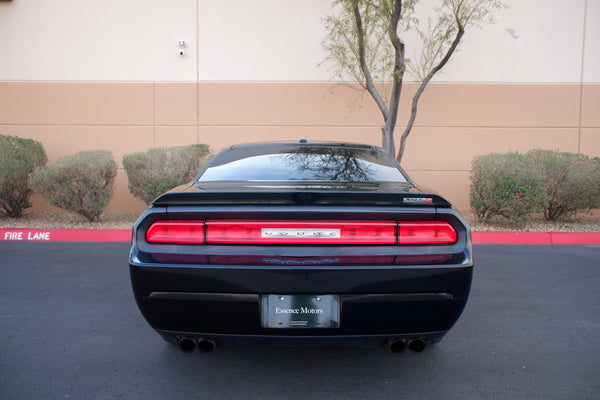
(571, 182)
(82, 183)
(18, 157)
(154, 172)
(507, 185)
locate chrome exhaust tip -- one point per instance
(417, 345)
(206, 345)
(187, 345)
(397, 345)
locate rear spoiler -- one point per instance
(341, 198)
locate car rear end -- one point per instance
(301, 265)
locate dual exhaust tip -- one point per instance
(415, 345)
(204, 345)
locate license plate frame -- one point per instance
(300, 311)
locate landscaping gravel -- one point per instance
(68, 220)
(580, 223)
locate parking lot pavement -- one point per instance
(71, 329)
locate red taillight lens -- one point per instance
(426, 233)
(300, 232)
(176, 232)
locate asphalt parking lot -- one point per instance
(70, 329)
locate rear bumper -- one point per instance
(302, 340)
(377, 303)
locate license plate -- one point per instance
(300, 311)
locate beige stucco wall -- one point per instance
(456, 121)
(83, 75)
(538, 41)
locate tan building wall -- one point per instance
(83, 75)
(456, 122)
(541, 41)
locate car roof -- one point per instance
(304, 142)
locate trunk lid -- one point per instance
(301, 193)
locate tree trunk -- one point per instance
(387, 140)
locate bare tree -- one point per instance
(364, 44)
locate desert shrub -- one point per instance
(18, 157)
(82, 183)
(507, 185)
(154, 172)
(571, 182)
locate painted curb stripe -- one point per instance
(536, 237)
(575, 238)
(65, 235)
(124, 235)
(511, 237)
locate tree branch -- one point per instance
(434, 70)
(362, 59)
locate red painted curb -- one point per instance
(124, 235)
(511, 237)
(536, 237)
(65, 235)
(575, 238)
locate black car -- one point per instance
(301, 244)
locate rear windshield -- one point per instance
(302, 163)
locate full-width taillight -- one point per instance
(426, 233)
(176, 232)
(300, 232)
